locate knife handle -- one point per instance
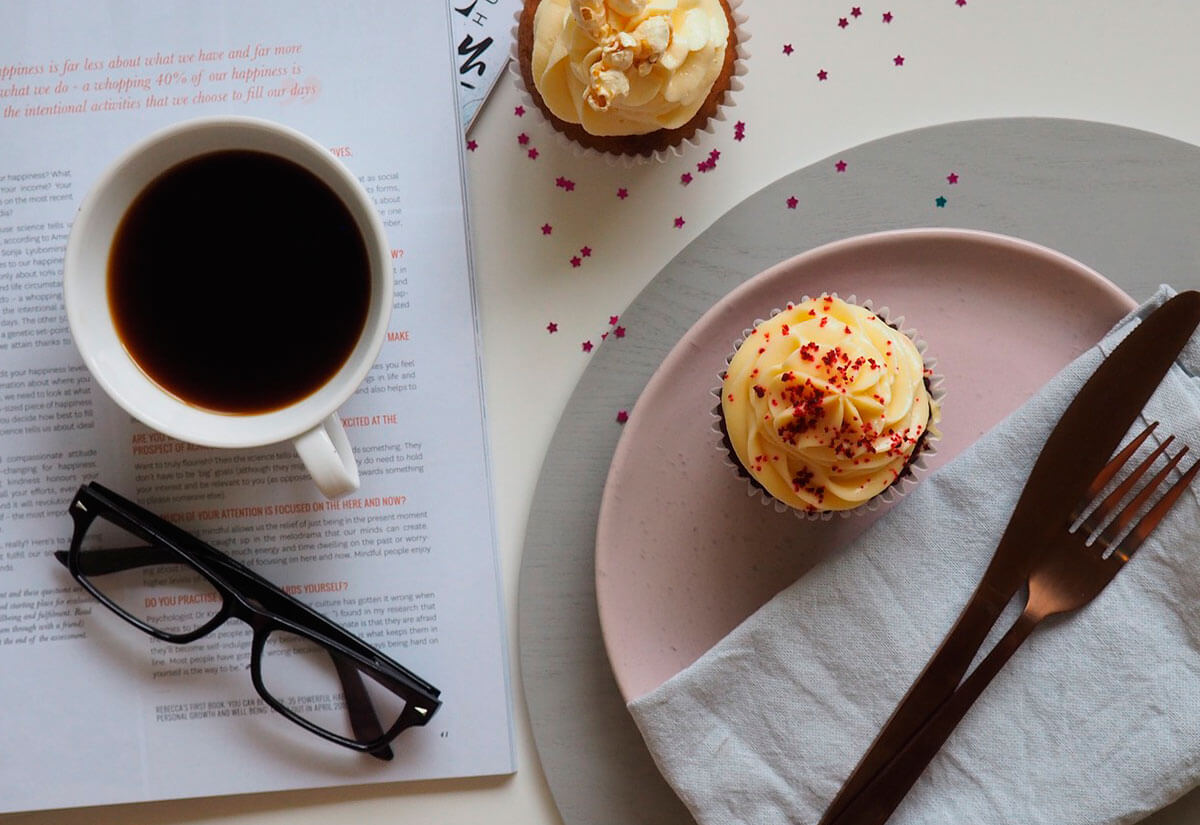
(931, 689)
(890, 785)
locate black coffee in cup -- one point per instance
(239, 282)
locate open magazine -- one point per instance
(408, 562)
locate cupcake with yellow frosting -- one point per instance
(826, 407)
(627, 77)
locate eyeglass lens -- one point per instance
(168, 595)
(312, 682)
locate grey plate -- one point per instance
(1126, 203)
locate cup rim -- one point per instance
(170, 414)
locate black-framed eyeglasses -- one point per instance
(172, 585)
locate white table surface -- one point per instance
(1133, 64)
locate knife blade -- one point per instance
(1098, 417)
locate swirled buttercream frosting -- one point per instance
(825, 404)
(627, 67)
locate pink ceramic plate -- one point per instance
(683, 554)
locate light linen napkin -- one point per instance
(1096, 719)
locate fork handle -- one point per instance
(890, 785)
(931, 689)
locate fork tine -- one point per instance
(1123, 519)
(1149, 521)
(1110, 469)
(1113, 499)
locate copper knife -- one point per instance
(1099, 416)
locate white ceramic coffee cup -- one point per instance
(312, 423)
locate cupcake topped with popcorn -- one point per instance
(826, 406)
(627, 76)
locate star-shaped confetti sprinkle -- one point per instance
(685, 178)
(604, 336)
(533, 153)
(679, 222)
(787, 48)
(898, 60)
(941, 202)
(622, 193)
(822, 75)
(952, 178)
(522, 138)
(586, 252)
(714, 156)
(586, 346)
(564, 183)
(843, 22)
(576, 261)
(622, 416)
(706, 165)
(739, 130)
(792, 202)
(547, 229)
(840, 166)
(960, 3)
(472, 145)
(552, 327)
(619, 332)
(612, 320)
(856, 12)
(887, 17)
(519, 111)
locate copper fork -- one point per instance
(1066, 576)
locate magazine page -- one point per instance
(407, 562)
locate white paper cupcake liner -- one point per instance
(660, 155)
(893, 492)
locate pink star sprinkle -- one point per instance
(622, 416)
(840, 166)
(787, 48)
(533, 153)
(792, 202)
(522, 138)
(551, 327)
(856, 12)
(576, 261)
(564, 183)
(612, 319)
(898, 60)
(586, 346)
(619, 332)
(586, 252)
(714, 155)
(739, 130)
(705, 166)
(622, 193)
(685, 178)
(887, 17)
(472, 146)
(843, 22)
(960, 3)
(822, 75)
(547, 229)
(519, 111)
(679, 222)
(952, 178)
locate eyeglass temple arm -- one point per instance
(359, 706)
(117, 559)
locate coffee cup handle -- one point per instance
(325, 451)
